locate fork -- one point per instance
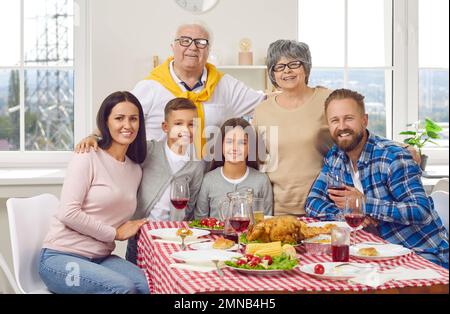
(219, 271)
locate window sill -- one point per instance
(31, 176)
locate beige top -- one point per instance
(295, 162)
(98, 195)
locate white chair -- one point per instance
(29, 221)
(441, 185)
(440, 199)
(9, 276)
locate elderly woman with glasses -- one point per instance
(292, 125)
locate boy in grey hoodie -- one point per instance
(167, 160)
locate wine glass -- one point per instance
(225, 215)
(179, 197)
(241, 215)
(335, 179)
(354, 213)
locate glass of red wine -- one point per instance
(241, 215)
(179, 197)
(354, 213)
(225, 215)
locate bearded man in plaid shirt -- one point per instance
(382, 172)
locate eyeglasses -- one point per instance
(291, 65)
(200, 43)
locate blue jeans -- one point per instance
(73, 274)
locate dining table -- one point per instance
(155, 259)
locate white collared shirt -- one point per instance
(231, 98)
(180, 81)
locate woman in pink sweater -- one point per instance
(98, 199)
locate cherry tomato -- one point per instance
(253, 262)
(268, 258)
(221, 224)
(204, 222)
(248, 256)
(241, 262)
(256, 260)
(319, 269)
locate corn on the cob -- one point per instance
(272, 249)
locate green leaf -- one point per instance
(432, 126)
(433, 135)
(412, 141)
(408, 133)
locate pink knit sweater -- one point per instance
(98, 195)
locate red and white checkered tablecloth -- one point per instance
(154, 258)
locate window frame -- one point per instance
(82, 103)
(406, 59)
(346, 68)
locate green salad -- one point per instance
(207, 223)
(254, 262)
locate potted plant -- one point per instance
(421, 136)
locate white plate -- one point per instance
(341, 273)
(209, 246)
(204, 257)
(171, 233)
(386, 251)
(337, 223)
(264, 272)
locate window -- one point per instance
(388, 51)
(348, 42)
(433, 64)
(37, 78)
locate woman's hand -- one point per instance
(129, 229)
(86, 144)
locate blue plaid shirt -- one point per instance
(395, 197)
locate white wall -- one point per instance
(126, 34)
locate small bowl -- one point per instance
(318, 245)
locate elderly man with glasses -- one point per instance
(217, 96)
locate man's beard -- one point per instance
(348, 146)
